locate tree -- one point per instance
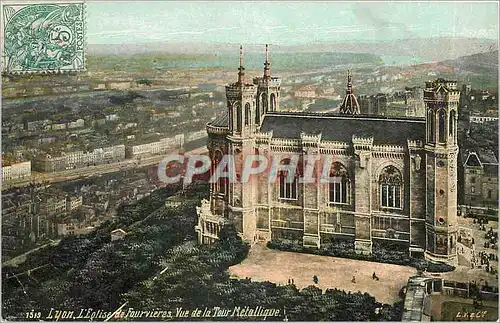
(146, 82)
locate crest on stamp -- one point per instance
(44, 37)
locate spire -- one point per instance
(267, 65)
(349, 83)
(241, 73)
(350, 103)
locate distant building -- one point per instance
(112, 117)
(53, 205)
(479, 102)
(414, 100)
(73, 203)
(373, 104)
(36, 125)
(58, 126)
(305, 92)
(45, 140)
(408, 103)
(99, 86)
(67, 228)
(196, 135)
(480, 187)
(174, 201)
(156, 147)
(118, 234)
(78, 123)
(477, 118)
(78, 159)
(16, 171)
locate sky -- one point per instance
(286, 23)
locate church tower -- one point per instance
(241, 103)
(349, 105)
(441, 98)
(268, 89)
(241, 142)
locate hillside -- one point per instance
(481, 70)
(425, 49)
(228, 60)
(477, 63)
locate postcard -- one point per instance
(256, 161)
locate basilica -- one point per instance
(396, 177)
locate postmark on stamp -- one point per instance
(40, 38)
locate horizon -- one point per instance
(299, 45)
(287, 23)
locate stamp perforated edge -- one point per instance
(46, 72)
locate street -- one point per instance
(93, 170)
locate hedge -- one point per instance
(345, 249)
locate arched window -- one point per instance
(339, 187)
(263, 100)
(220, 185)
(257, 113)
(391, 185)
(442, 123)
(231, 122)
(273, 102)
(247, 114)
(451, 129)
(287, 188)
(215, 163)
(238, 116)
(430, 125)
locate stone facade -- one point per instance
(441, 98)
(389, 182)
(480, 183)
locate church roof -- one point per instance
(349, 104)
(481, 157)
(491, 169)
(221, 121)
(487, 156)
(384, 130)
(472, 160)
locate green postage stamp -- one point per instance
(43, 37)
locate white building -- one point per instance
(79, 123)
(80, 159)
(16, 171)
(118, 234)
(157, 147)
(73, 202)
(196, 135)
(482, 119)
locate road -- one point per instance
(14, 262)
(94, 170)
